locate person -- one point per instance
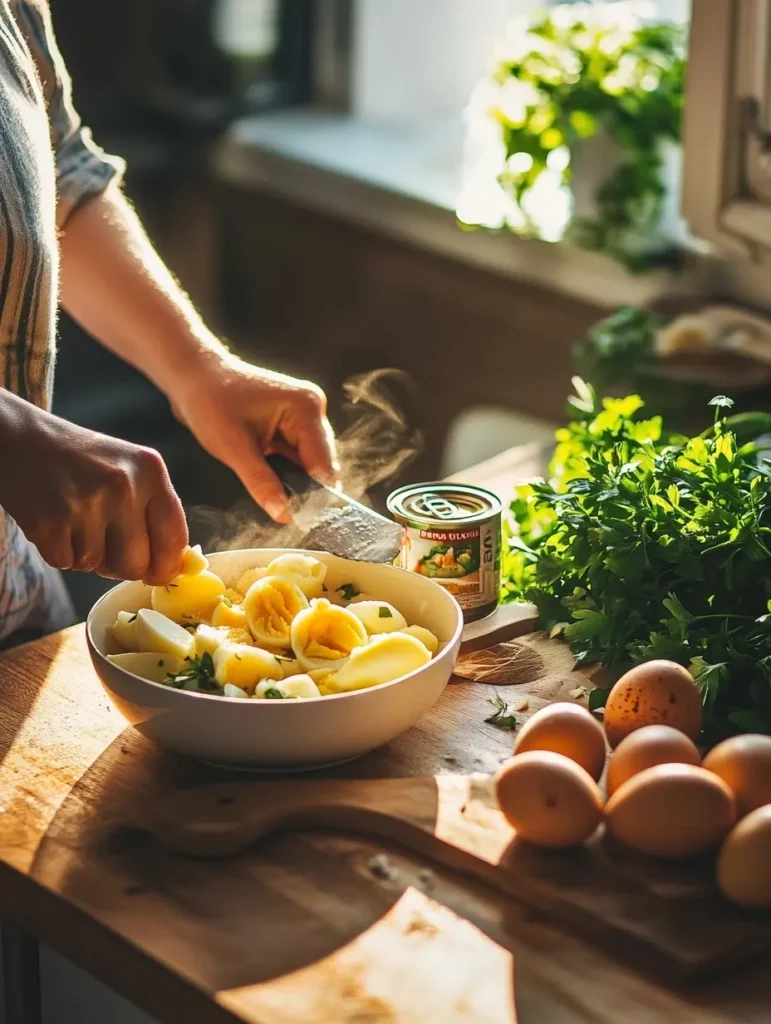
(72, 498)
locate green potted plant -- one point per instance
(585, 101)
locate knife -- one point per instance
(333, 522)
(323, 520)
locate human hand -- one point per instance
(87, 501)
(241, 413)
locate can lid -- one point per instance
(440, 504)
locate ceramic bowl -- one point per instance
(283, 735)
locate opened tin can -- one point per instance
(452, 534)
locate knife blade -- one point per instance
(329, 520)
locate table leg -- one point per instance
(21, 976)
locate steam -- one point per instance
(378, 443)
(374, 446)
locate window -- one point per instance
(430, 63)
(727, 130)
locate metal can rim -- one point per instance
(395, 506)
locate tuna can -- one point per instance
(452, 534)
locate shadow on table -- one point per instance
(24, 670)
(229, 923)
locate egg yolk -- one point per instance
(274, 605)
(331, 635)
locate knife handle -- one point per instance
(295, 480)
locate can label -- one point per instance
(464, 560)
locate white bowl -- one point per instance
(293, 734)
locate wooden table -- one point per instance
(302, 929)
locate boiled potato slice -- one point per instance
(189, 598)
(299, 686)
(124, 632)
(386, 657)
(228, 690)
(324, 635)
(226, 613)
(194, 561)
(149, 665)
(378, 616)
(156, 632)
(271, 605)
(426, 637)
(209, 638)
(268, 689)
(242, 665)
(304, 570)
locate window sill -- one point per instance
(403, 180)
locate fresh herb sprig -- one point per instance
(200, 671)
(646, 546)
(503, 714)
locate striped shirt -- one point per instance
(48, 166)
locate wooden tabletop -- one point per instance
(305, 927)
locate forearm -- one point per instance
(116, 286)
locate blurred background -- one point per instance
(316, 174)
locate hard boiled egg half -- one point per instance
(324, 635)
(271, 605)
(306, 572)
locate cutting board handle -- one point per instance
(449, 820)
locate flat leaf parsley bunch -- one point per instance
(645, 546)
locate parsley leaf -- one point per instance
(503, 715)
(199, 675)
(347, 591)
(384, 613)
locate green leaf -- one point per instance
(598, 698)
(750, 721)
(503, 714)
(708, 678)
(587, 624)
(674, 605)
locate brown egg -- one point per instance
(548, 799)
(671, 811)
(646, 747)
(744, 864)
(744, 763)
(567, 729)
(654, 693)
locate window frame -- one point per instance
(726, 195)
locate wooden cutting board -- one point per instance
(667, 917)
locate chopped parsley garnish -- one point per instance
(161, 663)
(273, 694)
(237, 657)
(199, 671)
(226, 601)
(503, 716)
(347, 591)
(384, 613)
